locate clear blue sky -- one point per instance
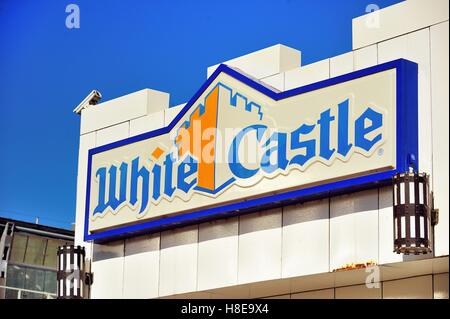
(121, 47)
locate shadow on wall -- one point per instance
(386, 202)
(366, 201)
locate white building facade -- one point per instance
(293, 250)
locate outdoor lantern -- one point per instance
(71, 275)
(413, 210)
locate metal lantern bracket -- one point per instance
(414, 213)
(71, 275)
(88, 278)
(434, 212)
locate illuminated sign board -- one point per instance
(238, 145)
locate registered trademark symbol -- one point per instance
(380, 152)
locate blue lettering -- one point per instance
(137, 173)
(191, 164)
(361, 130)
(343, 145)
(279, 149)
(156, 171)
(309, 145)
(101, 206)
(168, 165)
(324, 122)
(233, 159)
(183, 174)
(113, 201)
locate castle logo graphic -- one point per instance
(237, 143)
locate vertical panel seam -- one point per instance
(378, 221)
(281, 246)
(432, 285)
(431, 107)
(329, 234)
(123, 267)
(159, 265)
(198, 249)
(238, 245)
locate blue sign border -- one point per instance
(407, 149)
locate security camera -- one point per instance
(91, 99)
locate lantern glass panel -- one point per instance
(395, 194)
(403, 227)
(395, 228)
(402, 193)
(422, 227)
(412, 226)
(412, 200)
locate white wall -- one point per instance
(439, 51)
(218, 253)
(296, 240)
(396, 20)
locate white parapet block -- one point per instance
(365, 57)
(275, 82)
(307, 74)
(341, 64)
(172, 112)
(112, 134)
(398, 19)
(266, 62)
(147, 123)
(122, 109)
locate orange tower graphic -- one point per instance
(198, 136)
